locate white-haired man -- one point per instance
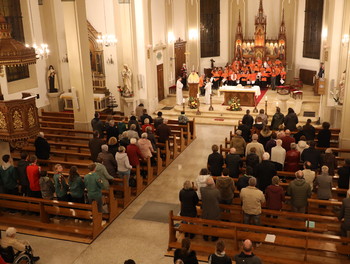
(238, 143)
(278, 153)
(10, 240)
(42, 147)
(255, 144)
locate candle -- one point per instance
(277, 104)
(266, 98)
(183, 100)
(197, 95)
(193, 67)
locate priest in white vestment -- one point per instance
(179, 87)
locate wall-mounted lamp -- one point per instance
(324, 34)
(193, 34)
(65, 58)
(149, 47)
(110, 60)
(171, 37)
(345, 39)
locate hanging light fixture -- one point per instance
(42, 50)
(12, 52)
(106, 39)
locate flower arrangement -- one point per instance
(234, 104)
(125, 92)
(193, 102)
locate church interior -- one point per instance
(62, 61)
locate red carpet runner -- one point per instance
(262, 94)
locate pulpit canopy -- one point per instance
(18, 120)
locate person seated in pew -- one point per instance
(108, 160)
(344, 175)
(147, 124)
(201, 181)
(33, 173)
(299, 191)
(185, 253)
(247, 256)
(163, 132)
(345, 214)
(233, 163)
(226, 186)
(134, 153)
(243, 181)
(158, 120)
(144, 116)
(102, 172)
(189, 200)
(238, 143)
(46, 185)
(76, 186)
(10, 240)
(252, 200)
(215, 161)
(42, 147)
(182, 118)
(95, 145)
(274, 195)
(94, 185)
(329, 160)
(323, 184)
(61, 186)
(219, 257)
(8, 176)
(124, 166)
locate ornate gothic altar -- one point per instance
(260, 47)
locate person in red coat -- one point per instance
(274, 195)
(292, 159)
(133, 152)
(287, 139)
(33, 174)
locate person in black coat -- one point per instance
(111, 130)
(42, 147)
(313, 155)
(98, 125)
(144, 116)
(344, 175)
(243, 181)
(248, 119)
(215, 162)
(233, 163)
(189, 199)
(264, 172)
(95, 145)
(22, 173)
(134, 121)
(291, 120)
(184, 253)
(246, 134)
(324, 136)
(309, 130)
(252, 159)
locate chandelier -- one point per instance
(107, 40)
(42, 51)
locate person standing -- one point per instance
(98, 125)
(323, 184)
(233, 163)
(42, 147)
(210, 203)
(22, 173)
(108, 160)
(264, 172)
(95, 145)
(287, 140)
(309, 175)
(292, 159)
(226, 186)
(208, 88)
(248, 119)
(46, 186)
(8, 176)
(61, 186)
(163, 131)
(238, 143)
(94, 185)
(33, 173)
(274, 194)
(179, 86)
(299, 191)
(124, 166)
(278, 153)
(344, 175)
(252, 199)
(259, 148)
(324, 136)
(345, 214)
(215, 161)
(76, 186)
(291, 120)
(277, 119)
(313, 155)
(201, 180)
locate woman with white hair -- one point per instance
(134, 153)
(108, 160)
(323, 183)
(145, 146)
(10, 240)
(147, 124)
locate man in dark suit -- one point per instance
(215, 161)
(264, 172)
(313, 155)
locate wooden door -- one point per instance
(160, 81)
(180, 57)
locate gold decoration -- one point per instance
(3, 124)
(31, 119)
(17, 120)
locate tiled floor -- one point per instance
(144, 241)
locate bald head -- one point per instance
(247, 246)
(279, 142)
(299, 174)
(287, 132)
(232, 150)
(255, 137)
(210, 181)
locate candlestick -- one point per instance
(183, 100)
(265, 98)
(276, 104)
(197, 95)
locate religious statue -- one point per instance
(342, 88)
(52, 80)
(321, 71)
(126, 90)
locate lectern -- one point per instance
(193, 89)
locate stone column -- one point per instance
(79, 61)
(193, 43)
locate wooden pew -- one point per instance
(56, 114)
(44, 226)
(306, 242)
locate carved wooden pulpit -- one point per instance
(193, 89)
(18, 121)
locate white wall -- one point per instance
(272, 9)
(180, 19)
(224, 40)
(300, 61)
(158, 21)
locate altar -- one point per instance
(245, 94)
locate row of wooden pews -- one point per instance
(74, 221)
